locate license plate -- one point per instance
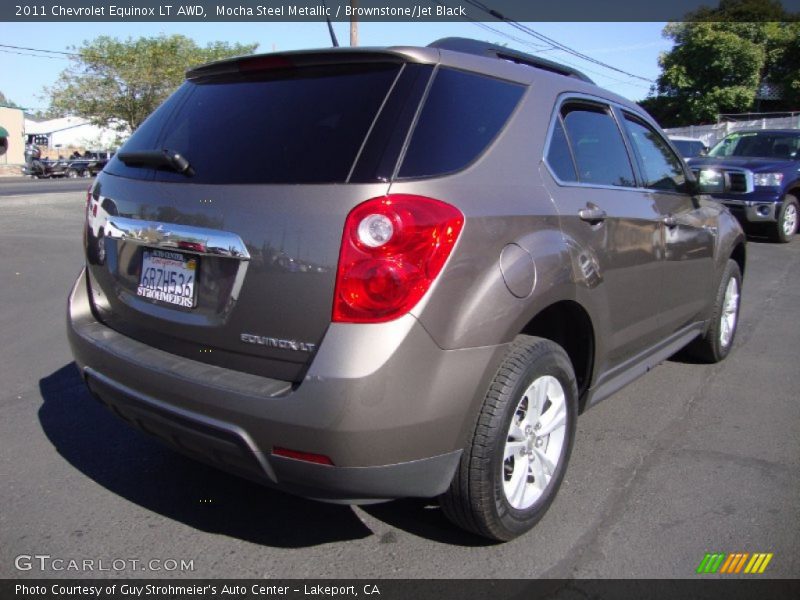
(168, 277)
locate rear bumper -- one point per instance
(390, 408)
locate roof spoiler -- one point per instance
(478, 48)
(292, 59)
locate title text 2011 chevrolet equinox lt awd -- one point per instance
(365, 274)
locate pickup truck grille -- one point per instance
(736, 182)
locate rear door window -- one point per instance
(597, 145)
(462, 114)
(302, 125)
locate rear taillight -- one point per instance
(393, 248)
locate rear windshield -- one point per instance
(292, 126)
(688, 148)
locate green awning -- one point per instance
(3, 132)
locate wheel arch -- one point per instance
(739, 255)
(569, 325)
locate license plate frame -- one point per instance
(168, 277)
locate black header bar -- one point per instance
(340, 10)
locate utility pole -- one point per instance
(353, 25)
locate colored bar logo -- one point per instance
(736, 562)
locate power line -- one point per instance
(553, 43)
(540, 48)
(34, 55)
(39, 50)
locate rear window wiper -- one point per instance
(158, 158)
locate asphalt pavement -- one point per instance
(690, 459)
(15, 186)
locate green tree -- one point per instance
(721, 59)
(115, 82)
(7, 101)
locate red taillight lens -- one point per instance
(393, 248)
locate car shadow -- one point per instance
(759, 238)
(147, 473)
(155, 477)
(423, 517)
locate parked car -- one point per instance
(46, 169)
(497, 245)
(88, 165)
(756, 174)
(689, 147)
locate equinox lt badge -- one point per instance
(270, 342)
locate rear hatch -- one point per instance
(215, 232)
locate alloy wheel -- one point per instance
(730, 310)
(535, 439)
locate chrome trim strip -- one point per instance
(171, 236)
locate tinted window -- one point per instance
(462, 115)
(661, 169)
(290, 126)
(765, 144)
(378, 159)
(558, 155)
(597, 144)
(689, 148)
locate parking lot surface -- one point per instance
(688, 460)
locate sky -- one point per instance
(631, 47)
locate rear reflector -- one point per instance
(319, 459)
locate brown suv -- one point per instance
(395, 272)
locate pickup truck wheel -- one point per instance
(72, 173)
(786, 226)
(717, 342)
(515, 461)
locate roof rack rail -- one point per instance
(469, 46)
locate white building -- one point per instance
(70, 132)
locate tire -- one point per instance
(502, 487)
(72, 173)
(717, 342)
(783, 231)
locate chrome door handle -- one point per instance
(592, 215)
(669, 221)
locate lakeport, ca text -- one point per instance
(176, 590)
